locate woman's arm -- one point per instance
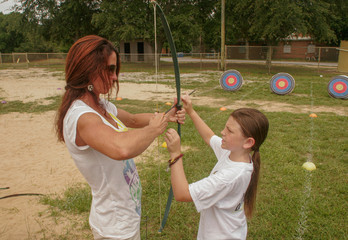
(140, 120)
(178, 177)
(92, 131)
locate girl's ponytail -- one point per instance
(254, 124)
(250, 194)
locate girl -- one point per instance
(96, 134)
(227, 196)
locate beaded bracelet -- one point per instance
(174, 160)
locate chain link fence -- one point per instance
(283, 53)
(318, 56)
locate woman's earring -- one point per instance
(90, 87)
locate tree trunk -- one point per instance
(247, 49)
(269, 58)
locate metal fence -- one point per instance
(320, 56)
(286, 52)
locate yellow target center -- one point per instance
(281, 84)
(231, 81)
(339, 87)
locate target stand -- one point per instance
(231, 80)
(338, 87)
(282, 83)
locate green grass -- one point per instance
(30, 107)
(76, 199)
(283, 188)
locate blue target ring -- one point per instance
(338, 87)
(231, 80)
(282, 83)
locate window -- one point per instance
(311, 48)
(140, 51)
(127, 52)
(287, 48)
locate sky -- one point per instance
(5, 6)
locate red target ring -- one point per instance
(282, 83)
(339, 87)
(231, 80)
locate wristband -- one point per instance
(174, 160)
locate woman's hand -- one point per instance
(172, 139)
(158, 122)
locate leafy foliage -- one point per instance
(10, 32)
(53, 25)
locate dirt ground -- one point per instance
(32, 161)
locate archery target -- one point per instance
(282, 83)
(338, 87)
(231, 80)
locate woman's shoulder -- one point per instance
(108, 106)
(77, 108)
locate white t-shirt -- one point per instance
(115, 184)
(220, 197)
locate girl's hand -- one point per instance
(173, 142)
(187, 103)
(180, 116)
(175, 115)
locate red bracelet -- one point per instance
(172, 161)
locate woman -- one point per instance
(96, 134)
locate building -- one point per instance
(136, 51)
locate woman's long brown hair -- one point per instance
(86, 60)
(254, 124)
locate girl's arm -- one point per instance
(178, 177)
(203, 129)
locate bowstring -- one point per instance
(157, 109)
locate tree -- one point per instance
(272, 21)
(73, 20)
(61, 22)
(10, 31)
(207, 17)
(53, 25)
(239, 19)
(338, 19)
(125, 20)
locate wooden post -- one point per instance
(222, 66)
(319, 58)
(200, 57)
(225, 65)
(26, 59)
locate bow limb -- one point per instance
(177, 81)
